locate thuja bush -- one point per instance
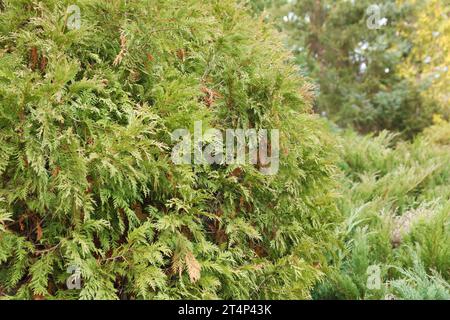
(86, 177)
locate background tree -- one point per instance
(428, 63)
(354, 51)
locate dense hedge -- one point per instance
(86, 178)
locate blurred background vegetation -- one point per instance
(381, 74)
(392, 77)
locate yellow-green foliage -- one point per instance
(86, 178)
(428, 64)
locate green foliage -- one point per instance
(370, 78)
(86, 179)
(417, 284)
(85, 169)
(396, 201)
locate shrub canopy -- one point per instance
(86, 178)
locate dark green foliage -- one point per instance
(357, 69)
